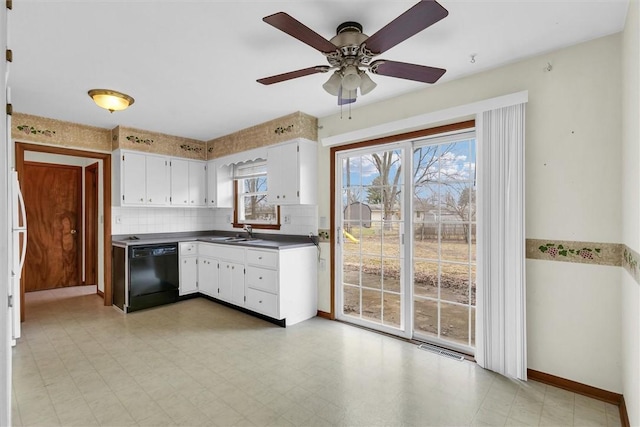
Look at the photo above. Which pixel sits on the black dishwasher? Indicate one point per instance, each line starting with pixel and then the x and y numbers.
pixel 153 275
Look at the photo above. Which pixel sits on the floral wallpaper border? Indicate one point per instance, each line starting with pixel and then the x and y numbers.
pixel 613 254
pixel 630 262
pixel 576 252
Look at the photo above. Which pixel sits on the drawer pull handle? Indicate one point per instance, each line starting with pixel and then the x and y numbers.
pixel 260 302
pixel 260 277
pixel 259 257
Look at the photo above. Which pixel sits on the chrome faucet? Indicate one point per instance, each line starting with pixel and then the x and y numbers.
pixel 249 230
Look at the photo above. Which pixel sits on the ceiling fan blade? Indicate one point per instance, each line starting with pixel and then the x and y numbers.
pixel 402 70
pixel 410 23
pixel 296 29
pixel 293 75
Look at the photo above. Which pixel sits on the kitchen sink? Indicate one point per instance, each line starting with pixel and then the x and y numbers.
pixel 244 240
pixel 215 239
pixel 227 239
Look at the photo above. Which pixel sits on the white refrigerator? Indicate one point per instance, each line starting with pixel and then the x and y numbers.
pixel 17 253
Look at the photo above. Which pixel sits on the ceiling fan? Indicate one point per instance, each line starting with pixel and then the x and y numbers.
pixel 350 53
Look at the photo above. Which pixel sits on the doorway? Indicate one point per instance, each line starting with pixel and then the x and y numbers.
pixel 91 219
pixel 53 202
pixel 404 221
pixel 104 170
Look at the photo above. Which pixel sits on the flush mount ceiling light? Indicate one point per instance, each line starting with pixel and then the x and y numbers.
pixel 110 99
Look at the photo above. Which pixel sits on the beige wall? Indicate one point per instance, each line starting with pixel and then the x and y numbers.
pixel 573 156
pixel 28 128
pixel 42 130
pixel 630 313
pixel 296 125
pixel 159 143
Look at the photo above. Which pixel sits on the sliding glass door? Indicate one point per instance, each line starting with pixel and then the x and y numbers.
pixel 370 239
pixel 412 275
pixel 444 242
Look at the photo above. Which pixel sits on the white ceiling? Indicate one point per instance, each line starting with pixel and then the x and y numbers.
pixel 192 65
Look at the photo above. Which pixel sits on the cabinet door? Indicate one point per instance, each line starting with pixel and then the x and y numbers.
pixel 237 283
pixel 188 275
pixel 133 179
pixel 212 185
pixel 219 185
pixel 225 282
pixel 197 184
pixel 208 276
pixel 289 169
pixel 179 182
pixel 282 174
pixel 157 179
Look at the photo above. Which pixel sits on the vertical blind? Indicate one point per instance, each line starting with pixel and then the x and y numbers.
pixel 501 344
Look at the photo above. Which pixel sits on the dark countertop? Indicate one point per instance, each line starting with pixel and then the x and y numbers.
pixel 264 241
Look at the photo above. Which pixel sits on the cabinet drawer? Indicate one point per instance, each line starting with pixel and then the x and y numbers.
pixel 262 302
pixel 262 258
pixel 188 248
pixel 263 279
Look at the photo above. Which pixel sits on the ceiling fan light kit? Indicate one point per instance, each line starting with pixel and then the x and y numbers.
pixel 332 86
pixel 350 52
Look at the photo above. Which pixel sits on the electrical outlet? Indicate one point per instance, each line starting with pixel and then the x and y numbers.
pixel 323 264
pixel 287 219
pixel 228 218
pixel 118 219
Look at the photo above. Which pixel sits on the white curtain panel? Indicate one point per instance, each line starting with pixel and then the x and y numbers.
pixel 501 342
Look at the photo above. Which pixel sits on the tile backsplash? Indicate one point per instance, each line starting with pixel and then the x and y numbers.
pixel 302 220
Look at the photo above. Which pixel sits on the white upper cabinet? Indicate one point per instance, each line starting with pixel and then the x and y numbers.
pixel 197 183
pixel 219 185
pixel 292 173
pixel 157 179
pixel 188 182
pixel 179 182
pixel 140 179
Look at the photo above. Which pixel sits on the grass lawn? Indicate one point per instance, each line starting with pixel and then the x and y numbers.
pixel 371 267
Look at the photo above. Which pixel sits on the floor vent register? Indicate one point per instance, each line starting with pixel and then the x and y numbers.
pixel 441 351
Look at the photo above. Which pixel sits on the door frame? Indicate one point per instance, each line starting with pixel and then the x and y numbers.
pixel 455 127
pixel 91 221
pixel 21 147
pixel 79 208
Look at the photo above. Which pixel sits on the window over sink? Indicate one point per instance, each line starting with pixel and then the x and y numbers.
pixel 250 197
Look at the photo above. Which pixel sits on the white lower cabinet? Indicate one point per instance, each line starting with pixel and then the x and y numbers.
pixel 188 253
pixel 232 275
pixel 280 284
pixel 208 276
pixel 263 302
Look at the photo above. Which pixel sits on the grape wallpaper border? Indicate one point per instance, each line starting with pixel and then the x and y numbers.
pixel 576 252
pixel 630 260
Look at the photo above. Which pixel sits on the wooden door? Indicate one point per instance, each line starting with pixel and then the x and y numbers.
pixel 91 224
pixel 53 202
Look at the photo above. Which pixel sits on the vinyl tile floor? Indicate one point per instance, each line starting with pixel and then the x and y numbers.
pixel 199 363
